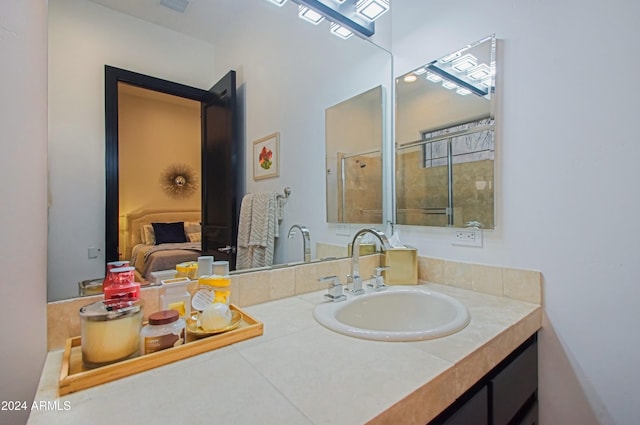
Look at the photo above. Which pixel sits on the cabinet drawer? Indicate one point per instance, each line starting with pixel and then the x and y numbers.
pixel 531 417
pixel 473 412
pixel 513 386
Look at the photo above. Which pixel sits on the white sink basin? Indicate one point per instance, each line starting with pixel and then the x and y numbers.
pixel 399 313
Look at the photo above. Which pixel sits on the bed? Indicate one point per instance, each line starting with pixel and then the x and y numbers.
pixel 158 240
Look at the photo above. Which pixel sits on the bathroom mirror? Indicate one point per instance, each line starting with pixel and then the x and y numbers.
pixel 289 72
pixel 445 140
pixel 354 159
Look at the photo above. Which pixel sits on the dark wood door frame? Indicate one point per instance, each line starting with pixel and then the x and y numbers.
pixel 112 77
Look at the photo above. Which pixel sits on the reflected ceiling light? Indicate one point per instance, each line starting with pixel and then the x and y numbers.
pixel 464 63
pixel 486 82
pixel 479 72
pixel 372 9
pixel 433 77
pixel 449 85
pixel 410 78
pixel 278 2
pixel 310 15
pixel 340 31
pixel 462 91
pixel 450 57
pixel 419 71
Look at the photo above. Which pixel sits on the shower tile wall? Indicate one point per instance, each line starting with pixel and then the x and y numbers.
pixel 363 189
pixel 419 188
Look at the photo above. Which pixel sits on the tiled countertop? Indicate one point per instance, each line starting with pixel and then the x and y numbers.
pixel 298 372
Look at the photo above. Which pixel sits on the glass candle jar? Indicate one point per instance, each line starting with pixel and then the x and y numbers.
pixel 121 284
pixel 110 331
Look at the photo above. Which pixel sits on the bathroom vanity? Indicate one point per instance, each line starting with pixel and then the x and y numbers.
pixel 299 372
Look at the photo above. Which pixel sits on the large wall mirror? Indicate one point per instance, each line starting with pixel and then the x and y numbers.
pixel 288 73
pixel 445 140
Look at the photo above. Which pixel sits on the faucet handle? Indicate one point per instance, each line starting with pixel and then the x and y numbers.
pixel 334 288
pixel 354 285
pixel 377 283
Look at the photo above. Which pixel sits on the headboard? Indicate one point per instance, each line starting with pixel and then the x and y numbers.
pixel 136 220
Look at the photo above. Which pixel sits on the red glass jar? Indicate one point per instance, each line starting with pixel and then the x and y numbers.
pixel 121 284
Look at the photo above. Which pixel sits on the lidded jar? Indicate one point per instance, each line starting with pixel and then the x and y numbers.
pixel 110 331
pixel 121 284
pixel 165 330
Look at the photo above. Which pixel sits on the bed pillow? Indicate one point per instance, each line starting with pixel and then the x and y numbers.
pixel 195 237
pixel 169 232
pixel 147 236
pixel 191 227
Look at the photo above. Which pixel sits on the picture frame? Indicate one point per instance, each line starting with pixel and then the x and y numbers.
pixel 266 157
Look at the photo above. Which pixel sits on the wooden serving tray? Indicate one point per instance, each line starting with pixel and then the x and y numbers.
pixel 75 377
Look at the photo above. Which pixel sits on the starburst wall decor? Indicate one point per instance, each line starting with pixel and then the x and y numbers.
pixel 179 181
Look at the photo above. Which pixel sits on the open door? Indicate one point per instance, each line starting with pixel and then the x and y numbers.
pixel 221 171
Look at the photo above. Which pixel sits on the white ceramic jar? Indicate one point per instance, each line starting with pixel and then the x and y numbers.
pixel 165 330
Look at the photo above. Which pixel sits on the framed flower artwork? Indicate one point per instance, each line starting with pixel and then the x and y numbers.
pixel 266 157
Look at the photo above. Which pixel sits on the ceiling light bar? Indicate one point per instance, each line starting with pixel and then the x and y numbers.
pixel 343 13
pixel 278 3
pixel 310 15
pixel 464 63
pixel 434 78
pixel 461 83
pixel 479 72
pixel 372 9
pixel 449 85
pixel 340 31
pixel 462 91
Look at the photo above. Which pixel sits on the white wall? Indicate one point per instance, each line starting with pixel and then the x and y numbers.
pixel 567 162
pixel 83 37
pixel 289 72
pixel 23 214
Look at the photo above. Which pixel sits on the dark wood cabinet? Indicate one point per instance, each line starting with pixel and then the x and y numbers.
pixel 508 395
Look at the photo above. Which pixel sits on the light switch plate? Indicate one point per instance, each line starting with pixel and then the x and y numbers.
pixel 93 252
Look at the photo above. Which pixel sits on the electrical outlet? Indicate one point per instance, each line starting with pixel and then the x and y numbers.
pixel 467 237
pixel 343 230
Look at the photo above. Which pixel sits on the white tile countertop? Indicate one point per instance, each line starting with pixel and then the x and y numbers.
pixel 299 372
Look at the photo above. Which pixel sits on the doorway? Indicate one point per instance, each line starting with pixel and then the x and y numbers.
pixel 219 131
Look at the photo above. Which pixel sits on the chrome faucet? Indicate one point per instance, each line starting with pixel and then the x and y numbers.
pixel 306 240
pixel 354 284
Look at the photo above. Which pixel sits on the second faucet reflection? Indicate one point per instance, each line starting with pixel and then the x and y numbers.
pixel 306 240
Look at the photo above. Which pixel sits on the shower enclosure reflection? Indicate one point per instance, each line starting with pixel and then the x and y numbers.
pixel 354 161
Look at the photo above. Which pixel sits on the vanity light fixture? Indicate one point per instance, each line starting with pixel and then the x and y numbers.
pixel 340 31
pixel 372 9
pixel 464 63
pixel 355 16
pixel 449 85
pixel 310 15
pixel 434 78
pixel 450 57
pixel 486 82
pixel 479 72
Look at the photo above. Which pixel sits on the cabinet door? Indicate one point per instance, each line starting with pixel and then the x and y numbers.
pixel 473 412
pixel 514 385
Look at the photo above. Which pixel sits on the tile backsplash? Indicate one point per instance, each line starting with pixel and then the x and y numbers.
pixel 260 286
